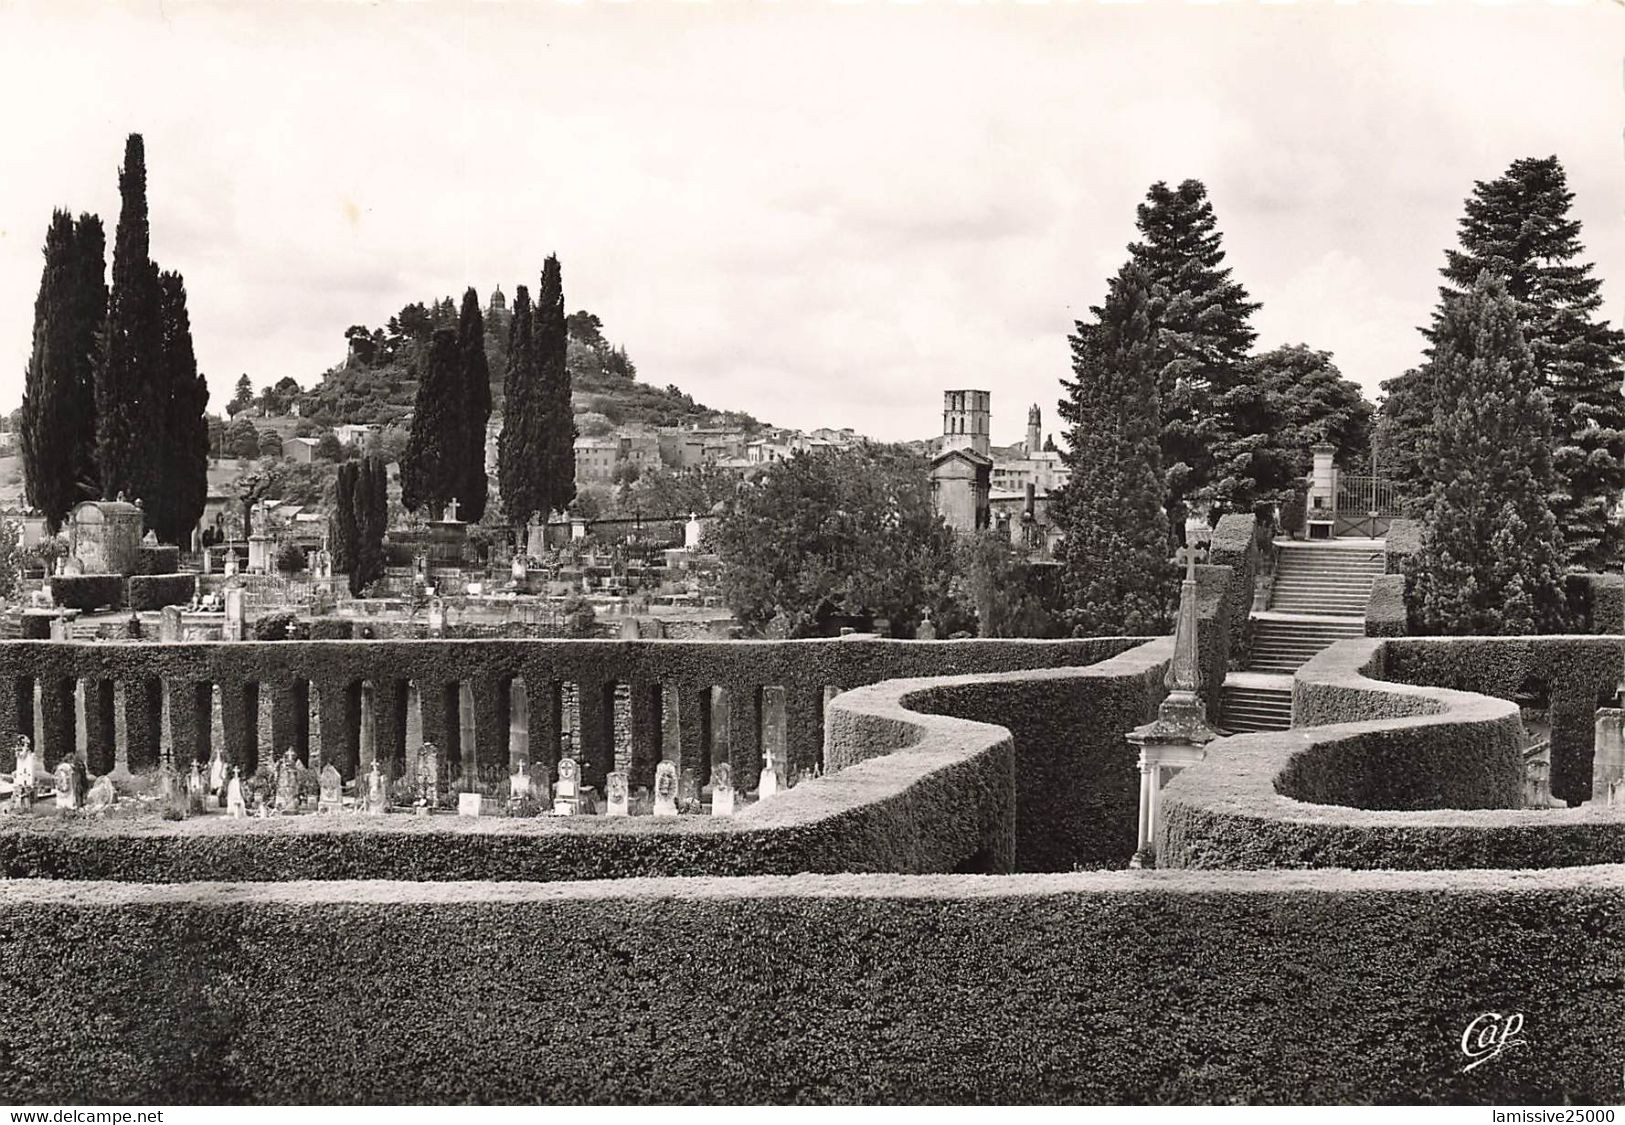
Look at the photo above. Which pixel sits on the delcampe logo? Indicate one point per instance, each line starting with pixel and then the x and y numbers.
pixel 1489 1035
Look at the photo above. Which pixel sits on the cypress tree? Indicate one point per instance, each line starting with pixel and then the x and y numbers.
pixel 1114 555
pixel 521 469
pixel 341 528
pixel 129 407
pixel 1201 333
pixel 476 408
pixel 173 511
pixel 1518 227
pixel 369 506
pixel 555 422
pixel 431 468
pixel 1491 554
pixel 57 431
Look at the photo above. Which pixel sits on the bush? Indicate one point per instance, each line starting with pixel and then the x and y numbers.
pixel 154 591
pixel 1385 610
pixel 331 629
pixel 88 591
pixel 1295 512
pixel 290 558
pixel 158 560
pixel 1596 602
pixel 274 627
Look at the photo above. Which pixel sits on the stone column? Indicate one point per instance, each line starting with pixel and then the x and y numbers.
pixel 368 748
pixel 1608 763
pixel 413 734
pixel 518 722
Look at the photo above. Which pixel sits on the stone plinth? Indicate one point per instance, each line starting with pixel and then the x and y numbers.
pixel 105 537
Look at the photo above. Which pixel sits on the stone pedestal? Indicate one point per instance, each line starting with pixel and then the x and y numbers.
pixel 259 554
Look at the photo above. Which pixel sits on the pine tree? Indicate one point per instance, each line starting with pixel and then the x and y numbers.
pixel 242 395
pixel 476 409
pixel 178 504
pixel 1518 227
pixel 57 430
pixel 1201 334
pixel 556 431
pixel 1114 555
pixel 431 469
pixel 521 468
pixel 1491 555
pixel 129 409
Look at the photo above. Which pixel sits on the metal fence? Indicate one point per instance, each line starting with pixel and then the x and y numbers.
pixel 1366 496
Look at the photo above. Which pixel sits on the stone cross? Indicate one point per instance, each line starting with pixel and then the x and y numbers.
pixel 451 510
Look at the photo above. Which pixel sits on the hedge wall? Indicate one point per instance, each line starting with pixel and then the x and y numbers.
pixel 1235 545
pixel 1409 780
pixel 154 591
pixel 1076 777
pixel 1403 540
pixel 1574 674
pixel 941 806
pixel 158 560
pixel 1596 602
pixel 1385 614
pixel 87 591
pixel 1121 987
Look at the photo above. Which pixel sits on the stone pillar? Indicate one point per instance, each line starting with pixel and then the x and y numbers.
pixel 81 722
pixel 468 748
pixel 413 734
pixel 1608 763
pixel 1322 482
pixel 235 628
pixel 368 747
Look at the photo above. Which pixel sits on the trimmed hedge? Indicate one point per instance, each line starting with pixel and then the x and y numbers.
pixel 1403 540
pixel 1327 795
pixel 154 591
pixel 88 591
pixel 1120 987
pixel 158 560
pixel 1385 614
pixel 1235 545
pixel 932 808
pixel 35 626
pixel 1596 601
pixel 1577 674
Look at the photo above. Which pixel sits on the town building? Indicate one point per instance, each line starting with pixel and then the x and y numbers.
pixel 961 471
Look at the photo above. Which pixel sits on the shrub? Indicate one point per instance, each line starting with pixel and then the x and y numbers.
pixel 1385 610
pixel 88 591
pixel 154 591
pixel 274 627
pixel 331 629
pixel 1596 602
pixel 1295 511
pixel 290 558
pixel 158 560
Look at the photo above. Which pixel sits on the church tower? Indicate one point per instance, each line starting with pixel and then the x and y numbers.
pixel 965 420
pixel 1035 431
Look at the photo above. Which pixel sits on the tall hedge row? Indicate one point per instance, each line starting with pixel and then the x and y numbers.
pixel 1104 987
pixel 154 591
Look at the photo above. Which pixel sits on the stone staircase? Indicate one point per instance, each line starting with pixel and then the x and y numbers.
pixel 1319 598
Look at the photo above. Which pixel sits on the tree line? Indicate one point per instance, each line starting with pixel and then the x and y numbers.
pixel 113 402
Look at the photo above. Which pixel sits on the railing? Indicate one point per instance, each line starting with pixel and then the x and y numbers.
pixel 1366 496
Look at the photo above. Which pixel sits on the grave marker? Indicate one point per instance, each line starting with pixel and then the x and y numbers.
pixel 665 789
pixel 287 783
pixel 722 790
pixel 567 793
pixel 197 789
pixel 615 788
pixel 102 795
pixel 377 792
pixel 70 785
pixel 332 792
pixel 469 804
pixel 235 805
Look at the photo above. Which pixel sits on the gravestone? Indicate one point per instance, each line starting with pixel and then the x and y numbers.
pixel 70 785
pixel 332 791
pixel 197 789
pixel 437 617
pixel 287 783
pixel 234 627
pixel 431 768
pixel 169 624
pixel 470 804
pixel 615 789
pixel 208 561
pixel 235 805
pixel 231 562
pixel 768 785
pixel 172 799
pixel 25 777
pixel 927 630
pixel 217 770
pixel 688 791
pixel 567 792
pixel 377 792
pixel 102 795
pixel 722 790
pixel 665 789
pixel 519 786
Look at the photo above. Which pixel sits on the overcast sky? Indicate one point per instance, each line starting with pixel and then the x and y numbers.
pixel 824 215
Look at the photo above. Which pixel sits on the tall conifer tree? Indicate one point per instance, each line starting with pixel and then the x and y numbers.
pixel 57 432
pixel 1201 333
pixel 476 409
pixel 1114 555
pixel 432 467
pixel 521 468
pixel 556 431
pixel 1519 227
pixel 129 406
pixel 1491 554
pixel 176 507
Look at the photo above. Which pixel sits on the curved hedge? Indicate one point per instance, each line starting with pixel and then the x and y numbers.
pixel 1406 777
pixel 1113 987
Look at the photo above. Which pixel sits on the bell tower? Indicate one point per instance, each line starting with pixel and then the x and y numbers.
pixel 965 420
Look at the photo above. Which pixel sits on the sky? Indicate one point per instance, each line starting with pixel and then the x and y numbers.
pixel 823 214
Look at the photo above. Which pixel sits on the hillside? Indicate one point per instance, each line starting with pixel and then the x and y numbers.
pixel 378 380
